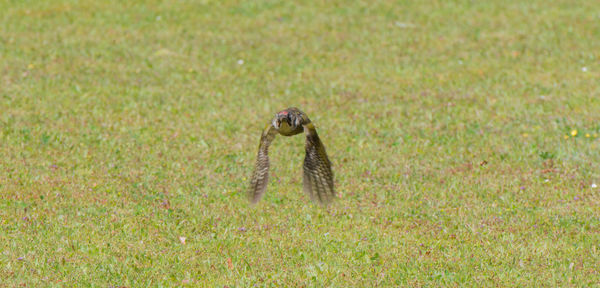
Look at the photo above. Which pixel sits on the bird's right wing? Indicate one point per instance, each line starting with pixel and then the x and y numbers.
pixel 260 176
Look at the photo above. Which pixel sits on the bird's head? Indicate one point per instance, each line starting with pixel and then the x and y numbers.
pixel 288 120
pixel 282 120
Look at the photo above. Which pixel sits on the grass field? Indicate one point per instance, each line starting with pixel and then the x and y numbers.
pixel 463 134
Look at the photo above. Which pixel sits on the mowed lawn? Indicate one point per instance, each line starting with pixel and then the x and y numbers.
pixel 464 137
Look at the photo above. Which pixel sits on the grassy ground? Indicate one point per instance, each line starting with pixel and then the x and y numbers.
pixel 464 137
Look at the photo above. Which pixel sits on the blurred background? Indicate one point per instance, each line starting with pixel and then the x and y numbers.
pixel 463 135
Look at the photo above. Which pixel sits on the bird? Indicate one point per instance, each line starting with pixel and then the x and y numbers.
pixel 317 174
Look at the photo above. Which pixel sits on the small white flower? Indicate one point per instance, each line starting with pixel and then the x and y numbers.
pixel 158 18
pixel 584 69
pixel 240 62
pixel 404 25
pixel 594 185
pixel 182 239
pixel 547 180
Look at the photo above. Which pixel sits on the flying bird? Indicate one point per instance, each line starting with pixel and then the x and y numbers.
pixel 317 178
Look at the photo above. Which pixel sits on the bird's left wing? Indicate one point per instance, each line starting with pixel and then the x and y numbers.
pixel 318 177
pixel 260 176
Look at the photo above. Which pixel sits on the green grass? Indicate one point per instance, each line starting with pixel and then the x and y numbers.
pixel 124 127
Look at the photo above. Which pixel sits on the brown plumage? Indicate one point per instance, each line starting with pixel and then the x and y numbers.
pixel 318 177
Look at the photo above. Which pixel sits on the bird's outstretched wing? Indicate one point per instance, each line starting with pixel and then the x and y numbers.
pixel 260 176
pixel 318 177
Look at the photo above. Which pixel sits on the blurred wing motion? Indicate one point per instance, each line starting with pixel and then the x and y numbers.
pixel 318 177
pixel 260 177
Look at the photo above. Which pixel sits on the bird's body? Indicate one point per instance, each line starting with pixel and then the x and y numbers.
pixel 318 177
